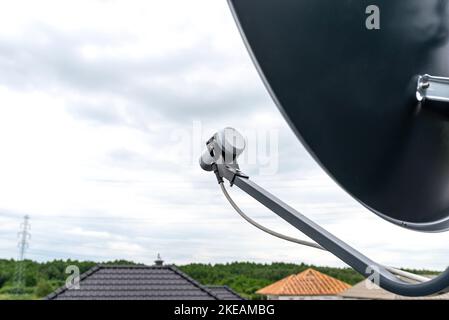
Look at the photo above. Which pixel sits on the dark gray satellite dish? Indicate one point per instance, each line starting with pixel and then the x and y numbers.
pixel 352 79
pixel 348 92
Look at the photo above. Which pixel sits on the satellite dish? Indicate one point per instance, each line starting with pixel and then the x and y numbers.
pixel 352 79
pixel 344 74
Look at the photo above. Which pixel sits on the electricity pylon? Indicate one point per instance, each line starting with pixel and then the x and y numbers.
pixel 24 236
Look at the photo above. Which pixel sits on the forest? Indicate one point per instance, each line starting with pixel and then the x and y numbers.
pixel 41 278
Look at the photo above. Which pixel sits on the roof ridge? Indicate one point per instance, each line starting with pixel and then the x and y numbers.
pixel 233 291
pixel 229 289
pixel 305 272
pixel 64 288
pixel 279 285
pixel 193 281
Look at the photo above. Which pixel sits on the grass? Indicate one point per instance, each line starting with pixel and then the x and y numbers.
pixel 18 297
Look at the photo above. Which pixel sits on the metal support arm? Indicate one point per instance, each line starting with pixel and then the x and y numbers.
pixel 362 264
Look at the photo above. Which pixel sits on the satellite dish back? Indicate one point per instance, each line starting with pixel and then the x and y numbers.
pixel 348 92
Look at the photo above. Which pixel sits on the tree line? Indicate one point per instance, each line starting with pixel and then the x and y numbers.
pixel 41 278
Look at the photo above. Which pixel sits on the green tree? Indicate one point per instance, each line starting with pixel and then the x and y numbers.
pixel 3 278
pixel 43 288
pixel 30 279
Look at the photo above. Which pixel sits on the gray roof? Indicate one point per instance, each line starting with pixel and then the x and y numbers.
pixel 225 293
pixel 135 283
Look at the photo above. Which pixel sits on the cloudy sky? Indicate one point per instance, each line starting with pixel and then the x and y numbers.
pixel 104 108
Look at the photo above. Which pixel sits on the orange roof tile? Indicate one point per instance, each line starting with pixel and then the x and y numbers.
pixel 307 283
